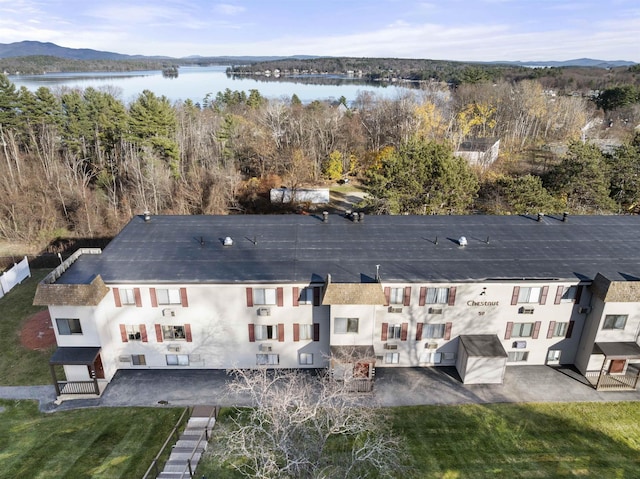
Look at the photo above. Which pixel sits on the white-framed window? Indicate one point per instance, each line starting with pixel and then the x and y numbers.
pixel 306 331
pixel 177 359
pixel 517 356
pixel 264 296
pixel 560 330
pixel 396 296
pixel 127 296
pixel 431 357
pixel 433 331
pixel 448 356
pixel 437 295
pixel 133 332
pixel 345 325
pixel 522 330
pixel 306 296
pixel 569 294
pixel 138 360
pixel 529 295
pixel 553 355
pixel 68 326
pixel 267 359
pixel 394 331
pixel 392 358
pixel 264 332
pixel 173 332
pixel 168 296
pixel 305 358
pixel 615 321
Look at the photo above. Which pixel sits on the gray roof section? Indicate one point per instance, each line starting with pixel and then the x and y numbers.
pixel 302 249
pixel 483 346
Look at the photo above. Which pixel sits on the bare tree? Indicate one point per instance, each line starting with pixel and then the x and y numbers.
pixel 303 425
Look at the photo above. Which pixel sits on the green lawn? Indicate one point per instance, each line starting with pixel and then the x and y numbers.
pixel 20 366
pixel 96 443
pixel 587 440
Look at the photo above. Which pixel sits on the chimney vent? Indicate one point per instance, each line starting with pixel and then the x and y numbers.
pixel 228 241
pixel 147 216
pixel 361 215
pixel 325 216
pixel 565 217
pixel 462 241
pixel 540 216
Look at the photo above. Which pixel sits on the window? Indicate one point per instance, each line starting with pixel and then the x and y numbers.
pixel 553 355
pixel 264 296
pixel 437 295
pixel 133 332
pixel 560 330
pixel 177 360
pixel 173 332
pixel 392 358
pixel 529 295
pixel 569 294
pixel 306 296
pixel 517 356
pixel 306 331
pixel 431 357
pixel 127 296
pixel 264 332
pixel 522 330
pixel 138 360
pixel 433 331
pixel 394 331
pixel 305 358
pixel 346 325
pixel 396 296
pixel 267 359
pixel 168 296
pixel 615 321
pixel 448 356
pixel 68 326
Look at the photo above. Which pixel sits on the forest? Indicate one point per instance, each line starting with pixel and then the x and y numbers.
pixel 80 163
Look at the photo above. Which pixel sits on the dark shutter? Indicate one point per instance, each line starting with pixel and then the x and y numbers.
pixel 316 295
pixel 116 297
pixel 514 296
pixel 570 329
pixel 559 293
pixel 419 327
pixel 447 331
pixel 404 331
pixel 136 295
pixel 280 297
pixel 183 297
pixel 154 298
pixel 552 326
pixel 249 297
pixel 295 291
pixel 452 296
pixel 123 333
pixel 385 330
pixel 387 296
pixel 159 337
pixel 407 296
pixel 252 332
pixel 536 330
pixel 423 296
pixel 281 332
pixel 507 333
pixel 187 333
pixel 143 333
pixel 543 294
pixel 296 332
pixel 316 331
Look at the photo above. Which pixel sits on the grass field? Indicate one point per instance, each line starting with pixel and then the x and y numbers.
pixel 587 440
pixel 18 365
pixel 113 443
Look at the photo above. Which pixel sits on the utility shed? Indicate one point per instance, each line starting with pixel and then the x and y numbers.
pixel 481 359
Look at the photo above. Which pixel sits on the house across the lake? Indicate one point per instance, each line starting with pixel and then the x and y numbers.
pixel 352 293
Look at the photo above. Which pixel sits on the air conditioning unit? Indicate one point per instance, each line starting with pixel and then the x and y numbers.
pixel 584 309
pixel 524 310
pixel 435 310
pixel 264 311
pixel 379 358
pixel 390 346
pixel 431 346
pixel 174 348
pixel 124 359
pixel 519 344
pixel 266 348
pixel 168 312
pixel 393 309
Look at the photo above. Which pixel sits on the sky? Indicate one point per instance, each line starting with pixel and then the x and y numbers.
pixel 464 30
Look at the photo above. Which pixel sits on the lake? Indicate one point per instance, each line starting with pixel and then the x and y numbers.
pixel 196 82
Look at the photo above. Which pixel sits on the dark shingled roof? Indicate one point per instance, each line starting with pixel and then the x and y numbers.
pixel 301 248
pixel 483 346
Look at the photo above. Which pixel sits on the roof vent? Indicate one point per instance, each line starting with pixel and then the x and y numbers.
pixel 325 216
pixel 540 216
pixel 147 216
pixel 227 241
pixel 462 241
pixel 361 215
pixel 565 216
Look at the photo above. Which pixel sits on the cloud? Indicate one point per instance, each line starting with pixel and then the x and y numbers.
pixel 228 9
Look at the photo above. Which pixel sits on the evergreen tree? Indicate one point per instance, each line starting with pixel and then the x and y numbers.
pixel 9 102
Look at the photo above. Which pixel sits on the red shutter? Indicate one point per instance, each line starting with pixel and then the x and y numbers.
pixel 159 333
pixel 316 296
pixel 552 326
pixel 143 333
pixel 116 297
pixel 281 332
pixel 579 293
pixel 183 297
pixel 387 296
pixel 316 331
pixel 249 297
pixel 404 331
pixel 296 295
pixel 559 293
pixel 407 296
pixel 536 330
pixel 280 297
pixel 423 296
pixel 123 333
pixel 296 332
pixel 447 331
pixel 252 332
pixel 154 298
pixel 507 333
pixel 543 295
pixel 187 333
pixel 514 296
pixel 569 329
pixel 419 327
pixel 136 294
pixel 452 296
pixel 385 330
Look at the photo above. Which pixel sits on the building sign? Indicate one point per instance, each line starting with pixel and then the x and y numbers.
pixel 483 303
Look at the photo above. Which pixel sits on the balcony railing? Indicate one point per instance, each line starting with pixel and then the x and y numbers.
pixel 78 387
pixel 614 382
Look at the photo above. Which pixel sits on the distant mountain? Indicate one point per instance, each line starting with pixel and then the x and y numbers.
pixel 29 48
pixel 578 62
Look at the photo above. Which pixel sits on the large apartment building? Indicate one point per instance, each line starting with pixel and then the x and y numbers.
pixel 353 293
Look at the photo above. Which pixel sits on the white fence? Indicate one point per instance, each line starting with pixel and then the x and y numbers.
pixel 14 276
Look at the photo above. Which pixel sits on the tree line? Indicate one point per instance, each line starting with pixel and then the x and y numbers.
pixel 82 162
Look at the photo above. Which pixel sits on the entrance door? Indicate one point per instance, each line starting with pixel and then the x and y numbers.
pixel 617 366
pixel 97 367
pixel 362 370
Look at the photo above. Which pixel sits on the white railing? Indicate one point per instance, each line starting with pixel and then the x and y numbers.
pixel 56 273
pixel 17 274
